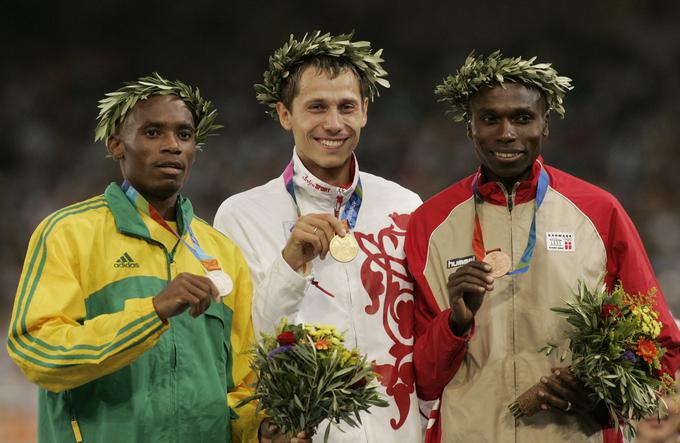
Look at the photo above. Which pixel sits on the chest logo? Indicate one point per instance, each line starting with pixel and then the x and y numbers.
pixel 456 262
pixel 125 261
pixel 560 241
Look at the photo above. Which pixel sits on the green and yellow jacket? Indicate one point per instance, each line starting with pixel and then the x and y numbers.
pixel 84 329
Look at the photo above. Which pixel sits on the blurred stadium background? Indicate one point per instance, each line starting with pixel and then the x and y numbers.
pixel 621 131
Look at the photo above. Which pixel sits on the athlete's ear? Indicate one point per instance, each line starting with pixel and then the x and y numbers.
pixel 115 147
pixel 364 109
pixel 284 116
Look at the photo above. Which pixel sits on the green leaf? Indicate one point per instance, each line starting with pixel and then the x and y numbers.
pixel 295 52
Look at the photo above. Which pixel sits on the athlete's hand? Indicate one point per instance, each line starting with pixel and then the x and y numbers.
pixel 310 238
pixel 186 291
pixel 562 392
pixel 269 433
pixel 467 287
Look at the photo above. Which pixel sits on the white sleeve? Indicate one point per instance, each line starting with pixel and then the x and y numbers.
pixel 278 295
pixel 277 288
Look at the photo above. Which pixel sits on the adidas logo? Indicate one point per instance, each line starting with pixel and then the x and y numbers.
pixel 125 261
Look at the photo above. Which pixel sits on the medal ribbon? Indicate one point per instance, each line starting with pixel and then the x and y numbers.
pixel 352 207
pixel 209 263
pixel 349 215
pixel 478 237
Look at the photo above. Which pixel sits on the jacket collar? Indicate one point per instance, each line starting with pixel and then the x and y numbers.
pixel 130 221
pixel 525 191
pixel 310 190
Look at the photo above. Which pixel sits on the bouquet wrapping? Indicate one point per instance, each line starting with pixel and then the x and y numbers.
pixel 306 375
pixel 615 354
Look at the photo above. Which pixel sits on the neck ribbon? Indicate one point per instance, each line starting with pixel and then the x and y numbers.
pixel 478 237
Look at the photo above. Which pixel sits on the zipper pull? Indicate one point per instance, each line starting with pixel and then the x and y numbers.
pixel 76 429
pixel 338 203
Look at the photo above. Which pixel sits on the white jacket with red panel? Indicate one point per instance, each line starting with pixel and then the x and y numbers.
pixel 370 299
pixel 582 233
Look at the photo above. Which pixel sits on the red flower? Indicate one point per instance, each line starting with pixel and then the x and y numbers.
pixel 661 373
pixel 647 350
pixel 610 311
pixel 286 338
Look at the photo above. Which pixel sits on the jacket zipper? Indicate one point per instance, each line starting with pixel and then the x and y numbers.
pixel 509 194
pixel 169 260
pixel 338 203
pixel 349 300
pixel 74 420
pixel 76 429
pixel 511 199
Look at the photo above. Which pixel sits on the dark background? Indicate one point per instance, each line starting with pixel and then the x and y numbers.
pixel 621 129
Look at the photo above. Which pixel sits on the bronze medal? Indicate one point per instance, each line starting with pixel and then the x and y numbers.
pixel 500 263
pixel 344 249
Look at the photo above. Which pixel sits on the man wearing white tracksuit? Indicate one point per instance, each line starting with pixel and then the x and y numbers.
pixel 285 228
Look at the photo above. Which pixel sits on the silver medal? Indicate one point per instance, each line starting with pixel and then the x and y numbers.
pixel 222 281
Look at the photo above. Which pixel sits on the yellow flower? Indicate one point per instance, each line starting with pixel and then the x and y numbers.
pixel 345 355
pixel 646 320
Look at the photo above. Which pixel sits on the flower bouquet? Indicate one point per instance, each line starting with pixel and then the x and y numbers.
pixel 306 376
pixel 615 354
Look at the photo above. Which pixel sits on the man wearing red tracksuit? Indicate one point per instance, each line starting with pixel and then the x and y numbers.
pixel 478 337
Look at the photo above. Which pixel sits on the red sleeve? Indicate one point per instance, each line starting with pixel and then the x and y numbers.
pixel 610 435
pixel 438 352
pixel 627 262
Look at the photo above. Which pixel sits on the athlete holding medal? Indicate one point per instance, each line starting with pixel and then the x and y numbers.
pixel 324 241
pixel 133 315
pixel 491 255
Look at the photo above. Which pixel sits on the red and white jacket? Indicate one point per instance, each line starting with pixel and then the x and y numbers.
pixel 369 299
pixel 582 233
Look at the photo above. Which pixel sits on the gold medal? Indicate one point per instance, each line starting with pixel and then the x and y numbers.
pixel 500 263
pixel 344 249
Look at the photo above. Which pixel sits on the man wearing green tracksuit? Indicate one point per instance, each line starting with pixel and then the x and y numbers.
pixel 132 314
